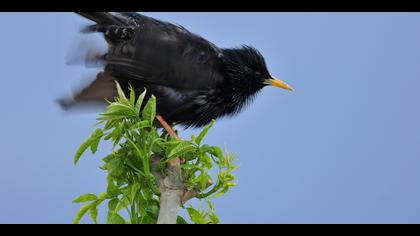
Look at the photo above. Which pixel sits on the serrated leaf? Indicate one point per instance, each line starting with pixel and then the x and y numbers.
pixel 85 198
pixel 118 111
pixel 214 219
pixel 153 210
pixel 223 191
pixel 195 216
pixel 132 163
pixel 109 158
pixel 115 218
pixel 181 221
pixel 115 167
pixel 206 149
pixel 82 211
pixel 94 145
pixel 206 161
pixel 132 96
pixel 140 125
pixel 112 190
pixel 123 203
pixel 109 124
pixel 203 133
pixel 139 101
pixel 95 136
pixel 149 111
pixel 203 180
pixel 116 134
pixel 131 191
pixel 157 148
pixel 181 149
pixel 217 152
pixel 120 91
pixel 103 196
pixel 93 211
pixel 112 204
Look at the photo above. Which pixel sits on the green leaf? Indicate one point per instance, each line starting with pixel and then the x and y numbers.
pixel 114 218
pixel 116 167
pixel 118 111
pixel 85 198
pixel 140 101
pixel 120 91
pixel 140 125
pixel 153 210
pixel 109 158
pixel 112 204
pixel 219 193
pixel 203 179
pixel 181 221
pixel 195 216
pixel 132 190
pixel 132 96
pixel 112 190
pixel 157 148
pixel 203 133
pixel 206 160
pixel 82 211
pixel 123 203
pixel 103 196
pixel 96 135
pixel 148 220
pixel 109 124
pixel 94 145
pixel 181 149
pixel 206 148
pixel 149 111
pixel 211 213
pixel 133 163
pixel 93 211
pixel 217 152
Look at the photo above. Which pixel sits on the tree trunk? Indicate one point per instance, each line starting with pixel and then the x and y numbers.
pixel 171 191
pixel 170 201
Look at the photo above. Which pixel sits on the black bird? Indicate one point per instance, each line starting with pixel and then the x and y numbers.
pixel 193 80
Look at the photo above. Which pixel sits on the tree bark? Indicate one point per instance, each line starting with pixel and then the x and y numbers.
pixel 171 190
pixel 170 201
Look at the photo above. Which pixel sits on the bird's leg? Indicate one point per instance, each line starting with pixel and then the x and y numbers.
pixel 167 127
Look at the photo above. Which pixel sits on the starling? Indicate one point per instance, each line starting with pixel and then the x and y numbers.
pixel 193 80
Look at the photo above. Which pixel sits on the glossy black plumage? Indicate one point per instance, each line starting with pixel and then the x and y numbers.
pixel 193 80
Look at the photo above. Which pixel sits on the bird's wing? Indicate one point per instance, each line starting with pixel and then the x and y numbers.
pixel 143 48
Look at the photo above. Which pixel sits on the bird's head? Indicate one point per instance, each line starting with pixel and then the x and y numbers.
pixel 246 68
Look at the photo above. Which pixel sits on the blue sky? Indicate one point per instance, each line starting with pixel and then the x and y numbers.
pixel 343 148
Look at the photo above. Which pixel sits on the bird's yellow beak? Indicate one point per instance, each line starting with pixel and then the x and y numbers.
pixel 278 83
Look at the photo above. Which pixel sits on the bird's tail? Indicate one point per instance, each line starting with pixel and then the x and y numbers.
pixel 115 28
pixel 103 87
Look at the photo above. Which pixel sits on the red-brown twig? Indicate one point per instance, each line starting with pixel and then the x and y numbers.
pixel 167 127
